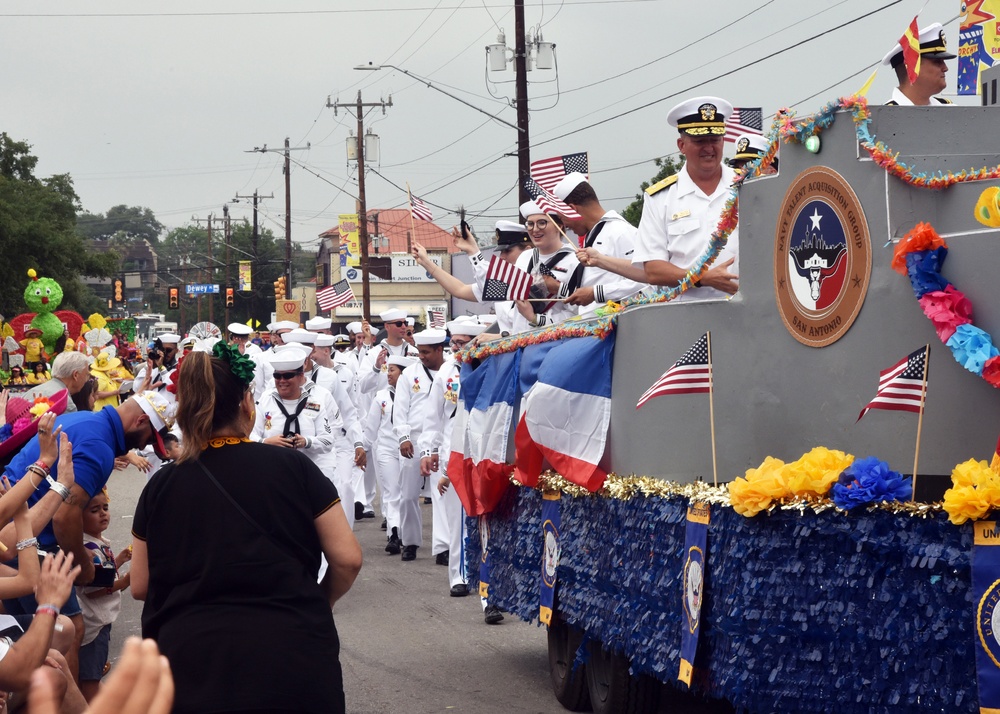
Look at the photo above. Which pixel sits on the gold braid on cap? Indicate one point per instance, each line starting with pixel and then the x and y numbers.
pixel 240 365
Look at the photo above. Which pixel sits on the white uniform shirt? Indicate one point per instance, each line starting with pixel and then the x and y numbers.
pixel 616 238
pixel 330 380
pixel 379 434
pixel 677 226
pixel 442 403
pixel 410 410
pixel 371 378
pixel 505 311
pixel 317 421
pixel 563 271
pixel 903 101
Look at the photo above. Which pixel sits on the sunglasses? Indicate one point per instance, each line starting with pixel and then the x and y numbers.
pixel 397 323
pixel 287 375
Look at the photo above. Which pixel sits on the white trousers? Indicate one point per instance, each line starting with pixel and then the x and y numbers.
pixel 440 524
pixel 388 473
pixel 411 524
pixel 363 492
pixel 454 515
pixel 342 478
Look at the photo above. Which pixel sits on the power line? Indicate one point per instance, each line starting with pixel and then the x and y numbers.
pixel 723 74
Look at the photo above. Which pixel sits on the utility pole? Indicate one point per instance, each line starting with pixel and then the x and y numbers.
pixel 225 214
pixel 359 108
pixel 287 170
pixel 254 276
pixel 521 85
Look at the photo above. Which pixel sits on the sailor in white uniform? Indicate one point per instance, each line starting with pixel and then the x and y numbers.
pixel 932 77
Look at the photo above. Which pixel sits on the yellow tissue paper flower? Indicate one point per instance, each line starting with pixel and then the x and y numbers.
pixel 816 472
pixel 760 487
pixel 97 321
pixel 975 492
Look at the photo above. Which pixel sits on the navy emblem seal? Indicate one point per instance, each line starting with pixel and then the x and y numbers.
pixel 822 257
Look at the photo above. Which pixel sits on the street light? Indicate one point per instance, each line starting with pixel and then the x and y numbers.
pixel 376 67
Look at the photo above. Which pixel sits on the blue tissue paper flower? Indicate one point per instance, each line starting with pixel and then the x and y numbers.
pixel 924 268
pixel 869 480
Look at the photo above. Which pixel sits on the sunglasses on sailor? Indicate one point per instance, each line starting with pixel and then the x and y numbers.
pixel 397 323
pixel 287 375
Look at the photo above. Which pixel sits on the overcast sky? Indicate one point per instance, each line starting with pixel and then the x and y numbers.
pixel 156 103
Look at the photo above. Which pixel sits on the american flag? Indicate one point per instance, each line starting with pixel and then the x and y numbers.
pixel 691 374
pixel 549 172
pixel 435 318
pixel 745 120
pixel 505 281
pixel 419 209
pixel 334 296
pixel 901 387
pixel 546 201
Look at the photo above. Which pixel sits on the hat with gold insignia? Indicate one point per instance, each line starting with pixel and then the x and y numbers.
pixel 701 116
pixel 750 147
pixel 933 45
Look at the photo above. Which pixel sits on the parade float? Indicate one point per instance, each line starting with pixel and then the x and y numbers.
pixel 758 543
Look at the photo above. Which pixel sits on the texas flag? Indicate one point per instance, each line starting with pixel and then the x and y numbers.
pixel 567 410
pixel 478 465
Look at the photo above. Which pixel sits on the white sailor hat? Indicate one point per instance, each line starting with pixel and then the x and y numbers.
pixel 285 358
pixel 325 340
pixel 282 325
pixel 933 45
pixel 302 337
pixel 354 327
pixel 401 361
pixel 511 234
pixel 238 328
pixel 318 323
pixel 701 116
pixel 340 339
pixel 393 315
pixel 411 321
pixel 168 338
pixel 487 318
pixel 161 412
pixel 530 208
pixel 465 327
pixel 430 337
pixel 567 183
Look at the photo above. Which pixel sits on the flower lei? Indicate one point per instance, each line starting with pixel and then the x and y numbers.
pixel 920 255
pixel 240 365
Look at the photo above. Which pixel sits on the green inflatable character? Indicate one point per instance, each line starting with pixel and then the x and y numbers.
pixel 43 297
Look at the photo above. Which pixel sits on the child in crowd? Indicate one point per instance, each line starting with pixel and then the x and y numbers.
pixel 171 447
pixel 101 602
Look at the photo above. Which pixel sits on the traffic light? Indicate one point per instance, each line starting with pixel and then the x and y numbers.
pixel 279 288
pixel 230 294
pixel 175 296
pixel 119 290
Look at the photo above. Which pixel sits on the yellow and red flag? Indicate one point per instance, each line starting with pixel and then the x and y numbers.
pixel 910 42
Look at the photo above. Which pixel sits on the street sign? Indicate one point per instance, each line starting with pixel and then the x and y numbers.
pixel 201 289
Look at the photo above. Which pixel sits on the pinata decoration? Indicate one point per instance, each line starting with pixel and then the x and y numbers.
pixel 43 296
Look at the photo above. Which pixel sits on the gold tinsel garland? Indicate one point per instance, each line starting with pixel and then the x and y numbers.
pixel 624 488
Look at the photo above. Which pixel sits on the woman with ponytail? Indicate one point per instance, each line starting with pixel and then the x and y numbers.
pixel 228 543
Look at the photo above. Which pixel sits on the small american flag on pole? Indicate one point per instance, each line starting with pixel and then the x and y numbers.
pixel 505 281
pixel 691 374
pixel 420 210
pixel 549 172
pixel 745 120
pixel 546 201
pixel 435 318
pixel 903 386
pixel 334 296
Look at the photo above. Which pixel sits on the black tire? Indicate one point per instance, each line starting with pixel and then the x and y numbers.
pixel 569 686
pixel 613 690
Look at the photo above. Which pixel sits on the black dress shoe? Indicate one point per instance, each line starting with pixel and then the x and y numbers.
pixel 359 510
pixel 368 514
pixel 460 590
pixel 427 500
pixel 492 614
pixel 394 546
pixel 409 552
pixel 441 558
pixel 385 524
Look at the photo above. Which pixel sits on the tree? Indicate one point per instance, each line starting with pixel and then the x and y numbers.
pixel 122 223
pixel 37 218
pixel 666 166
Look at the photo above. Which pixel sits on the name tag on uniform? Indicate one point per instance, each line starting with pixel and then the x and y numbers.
pixel 313 406
pixel 680 214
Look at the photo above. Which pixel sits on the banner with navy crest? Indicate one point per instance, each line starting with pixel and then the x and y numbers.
pixel 696 550
pixel 550 554
pixel 986 590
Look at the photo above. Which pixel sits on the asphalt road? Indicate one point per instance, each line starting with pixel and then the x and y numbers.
pixel 406 645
